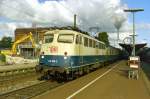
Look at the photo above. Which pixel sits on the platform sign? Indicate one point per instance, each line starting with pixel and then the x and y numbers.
pixel 134 58
pixel 134 66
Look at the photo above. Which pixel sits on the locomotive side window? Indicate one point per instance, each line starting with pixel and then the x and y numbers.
pixel 65 38
pixel 103 46
pixel 85 41
pixel 94 44
pixel 90 43
pixel 100 46
pixel 49 38
pixel 97 45
pixel 78 39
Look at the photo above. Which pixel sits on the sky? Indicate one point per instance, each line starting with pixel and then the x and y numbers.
pixel 142 19
pixel 92 16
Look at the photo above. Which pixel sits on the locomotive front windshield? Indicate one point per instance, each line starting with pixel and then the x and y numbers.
pixel 49 38
pixel 65 38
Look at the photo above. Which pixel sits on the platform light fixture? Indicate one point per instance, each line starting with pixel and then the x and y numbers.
pixel 133 11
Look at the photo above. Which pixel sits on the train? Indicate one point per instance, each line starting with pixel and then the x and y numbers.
pixel 69 53
pixel 144 54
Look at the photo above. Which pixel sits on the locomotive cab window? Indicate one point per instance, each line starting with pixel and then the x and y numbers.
pixel 49 38
pixel 65 38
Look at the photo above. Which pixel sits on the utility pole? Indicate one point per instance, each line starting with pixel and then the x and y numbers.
pixel 133 36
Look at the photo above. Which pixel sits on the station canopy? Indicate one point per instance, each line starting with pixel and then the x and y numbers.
pixel 129 47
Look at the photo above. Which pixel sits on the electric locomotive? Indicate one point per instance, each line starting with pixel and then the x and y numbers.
pixel 67 53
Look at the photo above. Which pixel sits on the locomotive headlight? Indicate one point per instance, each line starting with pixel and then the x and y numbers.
pixel 65 57
pixel 42 56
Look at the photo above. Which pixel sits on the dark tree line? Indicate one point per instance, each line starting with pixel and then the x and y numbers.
pixel 6 42
pixel 103 36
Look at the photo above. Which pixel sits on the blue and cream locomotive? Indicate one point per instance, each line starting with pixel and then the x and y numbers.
pixel 67 53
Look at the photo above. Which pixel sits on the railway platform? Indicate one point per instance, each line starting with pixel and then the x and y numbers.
pixel 109 82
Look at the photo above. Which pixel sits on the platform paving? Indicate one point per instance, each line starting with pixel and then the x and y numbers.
pixel 106 83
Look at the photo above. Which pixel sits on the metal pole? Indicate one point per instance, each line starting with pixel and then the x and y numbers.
pixel 133 35
pixel 133 12
pixel 75 20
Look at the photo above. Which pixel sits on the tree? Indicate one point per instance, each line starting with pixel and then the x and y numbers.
pixel 6 42
pixel 103 36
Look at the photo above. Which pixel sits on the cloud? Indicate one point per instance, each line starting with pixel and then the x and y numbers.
pixel 16 10
pixel 89 12
pixel 107 15
pixel 8 28
pixel 142 31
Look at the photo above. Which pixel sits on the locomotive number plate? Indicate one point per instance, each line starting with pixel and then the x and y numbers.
pixel 52 61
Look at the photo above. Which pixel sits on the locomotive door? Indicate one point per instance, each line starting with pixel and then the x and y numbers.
pixel 97 51
pixel 79 47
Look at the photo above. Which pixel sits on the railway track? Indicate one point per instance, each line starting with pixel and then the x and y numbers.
pixel 26 92
pixel 30 91
pixel 13 82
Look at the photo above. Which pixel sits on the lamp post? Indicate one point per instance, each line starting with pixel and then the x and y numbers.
pixel 133 10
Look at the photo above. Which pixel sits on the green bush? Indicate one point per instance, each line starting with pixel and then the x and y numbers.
pixel 2 58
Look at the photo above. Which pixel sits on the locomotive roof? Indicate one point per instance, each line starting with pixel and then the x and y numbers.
pixel 68 28
pixel 69 31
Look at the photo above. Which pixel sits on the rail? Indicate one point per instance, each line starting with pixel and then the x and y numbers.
pixel 30 91
pixel 13 82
